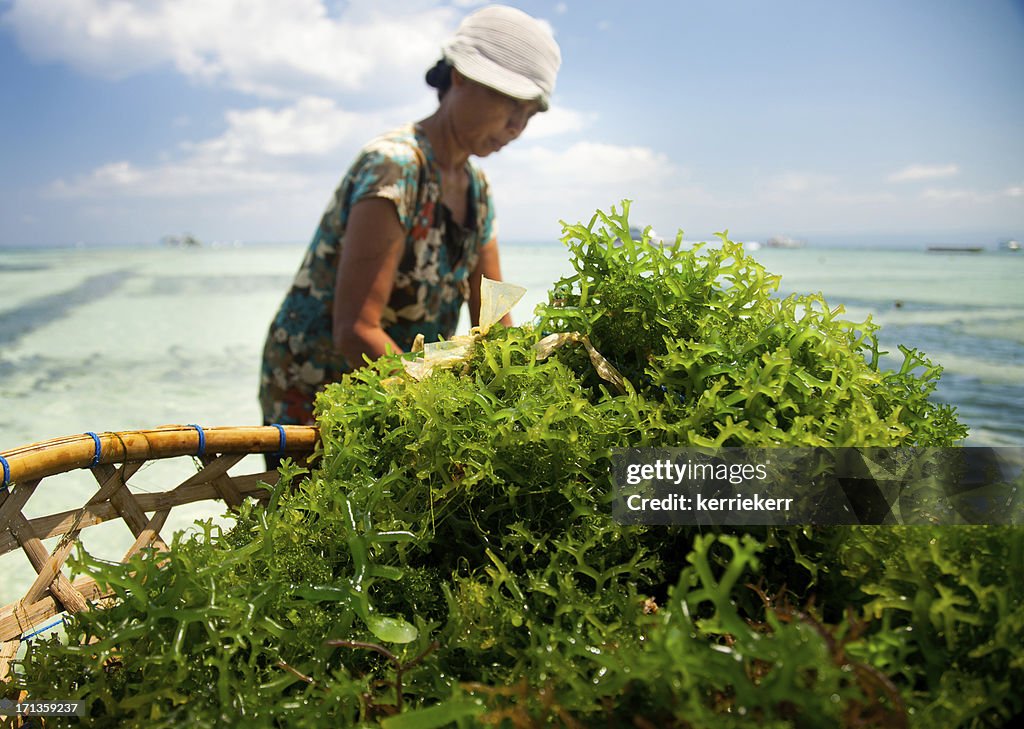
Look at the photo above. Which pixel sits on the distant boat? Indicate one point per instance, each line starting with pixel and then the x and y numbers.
pixel 955 249
pixel 181 241
pixel 637 234
pixel 784 241
pixel 1010 245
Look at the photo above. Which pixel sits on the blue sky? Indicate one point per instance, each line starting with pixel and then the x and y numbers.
pixel 861 121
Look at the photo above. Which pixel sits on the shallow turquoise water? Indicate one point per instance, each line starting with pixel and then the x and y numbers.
pixel 116 339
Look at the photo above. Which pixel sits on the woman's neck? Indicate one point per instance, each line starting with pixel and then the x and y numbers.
pixel 450 155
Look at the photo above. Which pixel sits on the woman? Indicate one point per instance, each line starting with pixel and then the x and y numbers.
pixel 411 229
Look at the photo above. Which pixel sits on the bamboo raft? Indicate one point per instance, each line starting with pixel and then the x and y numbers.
pixel 113 459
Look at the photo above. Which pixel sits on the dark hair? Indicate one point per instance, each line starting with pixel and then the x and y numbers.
pixel 440 77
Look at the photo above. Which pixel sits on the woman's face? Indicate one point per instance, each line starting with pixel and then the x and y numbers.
pixel 486 120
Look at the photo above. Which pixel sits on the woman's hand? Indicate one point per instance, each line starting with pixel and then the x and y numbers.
pixel 370 253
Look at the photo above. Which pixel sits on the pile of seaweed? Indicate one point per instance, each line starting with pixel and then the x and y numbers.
pixel 452 559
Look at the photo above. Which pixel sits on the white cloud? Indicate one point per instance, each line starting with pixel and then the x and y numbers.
pixel 795 182
pixel 261 149
pixel 313 125
pixel 795 186
pixel 557 120
pixel 960 195
pixel 946 195
pixel 537 185
pixel 190 178
pixel 914 173
pixel 589 165
pixel 262 47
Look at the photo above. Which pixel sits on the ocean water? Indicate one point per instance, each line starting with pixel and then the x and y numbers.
pixel 117 339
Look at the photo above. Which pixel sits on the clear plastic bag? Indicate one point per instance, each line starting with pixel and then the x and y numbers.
pixel 496 300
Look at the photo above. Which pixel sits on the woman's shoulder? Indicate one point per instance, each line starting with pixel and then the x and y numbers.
pixel 399 146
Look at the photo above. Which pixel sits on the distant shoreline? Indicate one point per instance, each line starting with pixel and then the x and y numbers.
pixel 989 243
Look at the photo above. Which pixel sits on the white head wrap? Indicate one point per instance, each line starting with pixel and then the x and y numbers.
pixel 507 50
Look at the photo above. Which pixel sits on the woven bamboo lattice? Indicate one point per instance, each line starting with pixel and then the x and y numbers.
pixel 113 459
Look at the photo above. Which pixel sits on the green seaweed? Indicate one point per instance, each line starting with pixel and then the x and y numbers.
pixel 452 560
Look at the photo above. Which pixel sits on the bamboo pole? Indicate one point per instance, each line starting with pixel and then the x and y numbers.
pixel 50 457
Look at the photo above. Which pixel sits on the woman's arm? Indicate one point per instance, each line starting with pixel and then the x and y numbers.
pixel 487 265
pixel 370 254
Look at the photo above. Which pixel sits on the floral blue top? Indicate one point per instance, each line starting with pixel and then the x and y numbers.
pixel 431 284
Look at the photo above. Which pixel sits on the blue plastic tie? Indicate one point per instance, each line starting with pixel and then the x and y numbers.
pixel 96 453
pixel 42 630
pixel 282 441
pixel 7 473
pixel 202 439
